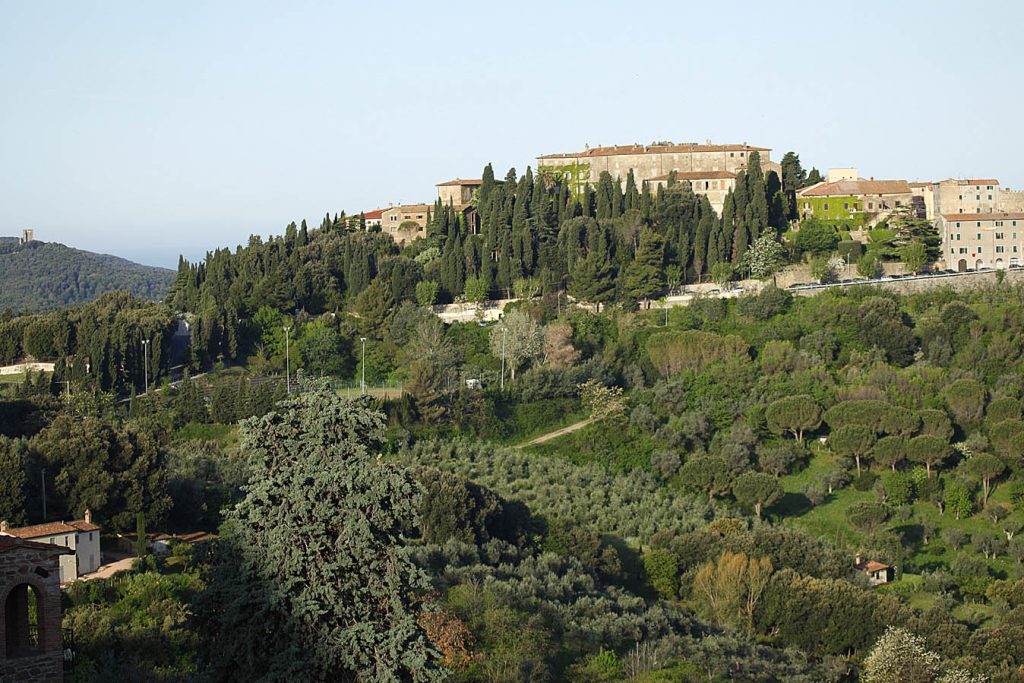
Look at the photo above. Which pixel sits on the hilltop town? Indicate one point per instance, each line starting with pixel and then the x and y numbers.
pixel 976 219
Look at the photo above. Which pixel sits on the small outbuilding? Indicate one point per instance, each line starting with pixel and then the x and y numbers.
pixel 878 573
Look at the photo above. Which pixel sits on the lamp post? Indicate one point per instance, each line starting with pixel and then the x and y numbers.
pixel 287 360
pixel 362 380
pixel 504 333
pixel 145 366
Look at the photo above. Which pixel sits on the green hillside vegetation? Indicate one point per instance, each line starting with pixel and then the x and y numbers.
pixel 43 276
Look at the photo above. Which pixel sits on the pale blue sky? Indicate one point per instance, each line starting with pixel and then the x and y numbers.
pixel 150 129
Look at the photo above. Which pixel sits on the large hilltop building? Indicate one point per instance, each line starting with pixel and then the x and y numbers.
pixel 81 537
pixel 710 169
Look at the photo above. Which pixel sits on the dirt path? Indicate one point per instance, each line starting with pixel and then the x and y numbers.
pixel 557 433
pixel 108 570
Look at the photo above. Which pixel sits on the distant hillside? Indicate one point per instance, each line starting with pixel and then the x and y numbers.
pixel 47 275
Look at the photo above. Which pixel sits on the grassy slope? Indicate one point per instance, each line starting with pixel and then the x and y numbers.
pixel 829 519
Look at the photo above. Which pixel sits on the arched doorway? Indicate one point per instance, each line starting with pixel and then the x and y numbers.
pixel 1000 265
pixel 23 624
pixel 961 266
pixel 979 264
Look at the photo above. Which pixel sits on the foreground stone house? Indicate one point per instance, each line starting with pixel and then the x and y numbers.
pixel 31 640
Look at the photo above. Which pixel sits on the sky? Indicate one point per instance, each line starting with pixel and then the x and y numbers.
pixel 149 130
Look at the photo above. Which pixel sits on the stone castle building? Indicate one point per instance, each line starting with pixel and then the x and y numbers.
pixel 31 640
pixel 458 193
pixel 980 222
pixel 707 167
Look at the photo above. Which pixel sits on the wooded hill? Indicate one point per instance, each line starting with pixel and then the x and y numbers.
pixel 45 276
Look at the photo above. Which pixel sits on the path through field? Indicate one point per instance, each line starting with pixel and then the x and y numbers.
pixel 557 433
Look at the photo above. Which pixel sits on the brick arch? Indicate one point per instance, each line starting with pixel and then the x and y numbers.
pixel 43 612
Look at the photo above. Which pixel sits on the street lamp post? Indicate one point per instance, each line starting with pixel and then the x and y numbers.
pixel 287 360
pixel 145 366
pixel 362 380
pixel 504 333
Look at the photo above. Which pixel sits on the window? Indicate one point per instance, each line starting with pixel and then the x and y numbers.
pixel 846 206
pixel 989 187
pixel 977 197
pixel 999 235
pixel 871 205
pixel 1000 249
pixel 979 235
pixel 731 154
pixel 963 250
pixel 856 206
pixel 825 206
pixel 961 197
pixel 958 225
pixel 807 205
pixel 1015 249
pixel 999 224
pixel 990 197
pixel 958 237
pixel 741 153
pixel 979 250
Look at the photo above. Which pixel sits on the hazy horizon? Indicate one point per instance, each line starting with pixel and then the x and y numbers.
pixel 149 131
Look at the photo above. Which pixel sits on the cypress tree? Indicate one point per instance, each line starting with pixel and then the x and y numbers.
pixel 631 199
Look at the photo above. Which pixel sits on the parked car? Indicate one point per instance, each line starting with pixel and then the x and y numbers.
pixel 714 292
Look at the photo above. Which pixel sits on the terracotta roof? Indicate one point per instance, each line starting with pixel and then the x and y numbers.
pixel 915 184
pixel 872 566
pixel 407 207
pixel 978 181
pixel 373 215
pixel 459 181
pixel 40 530
pixel 12 542
pixel 843 188
pixel 654 149
pixel 973 217
pixel 52 529
pixel 699 175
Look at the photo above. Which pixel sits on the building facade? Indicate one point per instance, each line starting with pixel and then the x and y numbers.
pixel 714 185
pixel 458 193
pixel 31 640
pixel 80 537
pixel 982 240
pixel 405 223
pixel 650 161
pixel 861 201
pixel 373 218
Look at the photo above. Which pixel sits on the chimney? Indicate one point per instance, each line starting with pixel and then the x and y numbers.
pixel 3 526
pixel 88 516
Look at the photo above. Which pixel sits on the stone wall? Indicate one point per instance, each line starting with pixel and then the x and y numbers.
pixel 960 282
pixel 31 564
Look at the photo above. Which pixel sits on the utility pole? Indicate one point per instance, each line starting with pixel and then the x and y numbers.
pixel 287 361
pixel 145 365
pixel 362 381
pixel 504 333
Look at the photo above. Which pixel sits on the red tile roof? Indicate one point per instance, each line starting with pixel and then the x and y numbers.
pixel 52 529
pixel 12 542
pixel 460 181
pixel 979 181
pixel 984 217
pixel 699 175
pixel 845 188
pixel 654 149
pixel 373 215
pixel 871 566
